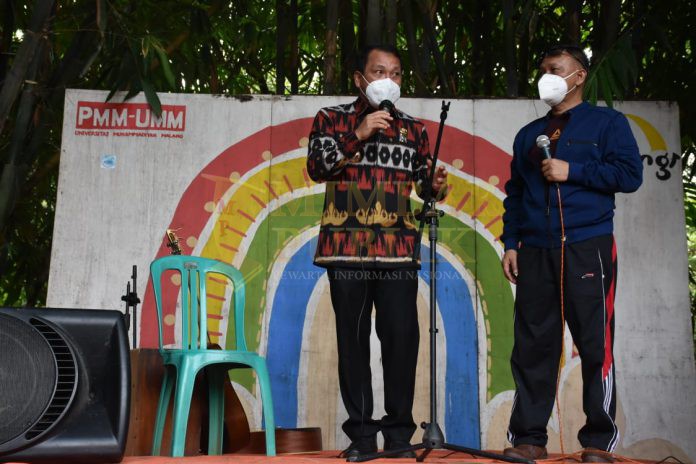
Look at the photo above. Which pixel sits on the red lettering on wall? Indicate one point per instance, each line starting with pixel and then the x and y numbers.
pixel 134 116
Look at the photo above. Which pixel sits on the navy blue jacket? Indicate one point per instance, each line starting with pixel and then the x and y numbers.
pixel 599 146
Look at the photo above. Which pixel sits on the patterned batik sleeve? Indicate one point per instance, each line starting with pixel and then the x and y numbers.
pixel 328 152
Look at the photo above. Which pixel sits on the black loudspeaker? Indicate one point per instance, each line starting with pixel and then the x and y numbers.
pixel 64 385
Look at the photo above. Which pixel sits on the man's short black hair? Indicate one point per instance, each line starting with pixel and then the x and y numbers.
pixel 573 50
pixel 361 58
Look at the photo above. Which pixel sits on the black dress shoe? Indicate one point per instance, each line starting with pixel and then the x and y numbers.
pixel 395 445
pixel 359 448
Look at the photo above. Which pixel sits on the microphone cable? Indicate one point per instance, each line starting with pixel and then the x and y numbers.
pixel 543 143
pixel 563 322
pixel 363 243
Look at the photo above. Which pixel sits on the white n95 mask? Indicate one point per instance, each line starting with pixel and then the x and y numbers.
pixel 381 90
pixel 553 88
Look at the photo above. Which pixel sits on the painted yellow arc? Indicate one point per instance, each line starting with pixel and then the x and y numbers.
pixel 657 143
pixel 238 212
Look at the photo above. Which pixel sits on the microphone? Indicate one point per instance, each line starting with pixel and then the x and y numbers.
pixel 544 143
pixel 388 106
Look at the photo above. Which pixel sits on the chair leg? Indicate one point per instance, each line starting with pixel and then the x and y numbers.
pixel 267 403
pixel 182 405
pixel 165 395
pixel 216 408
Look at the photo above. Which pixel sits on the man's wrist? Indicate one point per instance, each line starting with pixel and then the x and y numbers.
pixel 350 146
pixel 511 244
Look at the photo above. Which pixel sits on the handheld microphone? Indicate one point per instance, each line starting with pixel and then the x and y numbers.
pixel 544 143
pixel 386 105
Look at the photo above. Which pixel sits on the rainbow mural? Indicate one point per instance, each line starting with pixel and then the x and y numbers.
pixel 228 174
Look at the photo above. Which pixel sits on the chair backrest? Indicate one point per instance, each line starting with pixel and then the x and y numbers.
pixel 194 271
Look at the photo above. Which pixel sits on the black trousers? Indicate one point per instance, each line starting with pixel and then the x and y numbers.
pixel 589 288
pixel 393 292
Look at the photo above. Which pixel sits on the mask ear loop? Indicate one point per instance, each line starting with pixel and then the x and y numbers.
pixel 360 88
pixel 575 86
pixel 366 81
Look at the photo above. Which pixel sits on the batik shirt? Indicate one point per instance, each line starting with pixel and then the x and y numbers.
pixel 367 221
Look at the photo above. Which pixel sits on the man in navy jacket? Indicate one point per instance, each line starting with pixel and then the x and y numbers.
pixel 561 254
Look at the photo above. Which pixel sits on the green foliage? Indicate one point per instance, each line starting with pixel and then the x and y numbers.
pixel 614 75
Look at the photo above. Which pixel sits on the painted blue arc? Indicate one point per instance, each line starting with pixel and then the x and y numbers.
pixel 284 347
pixel 462 426
pixel 283 353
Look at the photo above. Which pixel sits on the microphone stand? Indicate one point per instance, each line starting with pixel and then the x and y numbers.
pixel 131 299
pixel 433 438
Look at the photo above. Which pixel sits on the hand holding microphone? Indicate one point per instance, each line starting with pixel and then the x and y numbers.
pixel 553 170
pixel 373 122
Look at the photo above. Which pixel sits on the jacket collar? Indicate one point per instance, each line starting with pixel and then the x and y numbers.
pixel 361 105
pixel 584 106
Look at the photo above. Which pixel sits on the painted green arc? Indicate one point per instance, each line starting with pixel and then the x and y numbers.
pixel 297 215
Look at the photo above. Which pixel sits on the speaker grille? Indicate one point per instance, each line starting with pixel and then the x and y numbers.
pixel 38 377
pixel 66 382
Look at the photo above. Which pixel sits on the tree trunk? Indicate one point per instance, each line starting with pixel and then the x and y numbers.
pixel 12 84
pixel 638 39
pixel 330 47
pixel 347 46
pixel 488 23
pixel 523 67
pixel 390 16
pixel 572 35
pixel 8 28
pixel 434 48
pixel 478 49
pixel 372 31
pixel 607 30
pixel 450 26
pixel 16 164
pixel 510 49
pixel 294 48
pixel 281 37
pixel 409 27
pixel 610 23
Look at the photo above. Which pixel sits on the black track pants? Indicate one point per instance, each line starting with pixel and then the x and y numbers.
pixel 589 288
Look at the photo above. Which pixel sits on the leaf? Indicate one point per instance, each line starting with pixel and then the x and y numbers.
pixel 605 85
pixel 166 69
pixel 590 91
pixel 621 70
pixel 151 97
pixel 614 74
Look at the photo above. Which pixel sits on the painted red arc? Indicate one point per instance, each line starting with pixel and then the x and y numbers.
pixel 212 182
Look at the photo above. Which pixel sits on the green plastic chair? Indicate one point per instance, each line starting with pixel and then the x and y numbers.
pixel 182 364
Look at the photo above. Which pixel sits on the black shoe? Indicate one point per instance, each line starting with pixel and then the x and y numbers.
pixel 359 448
pixel 395 445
